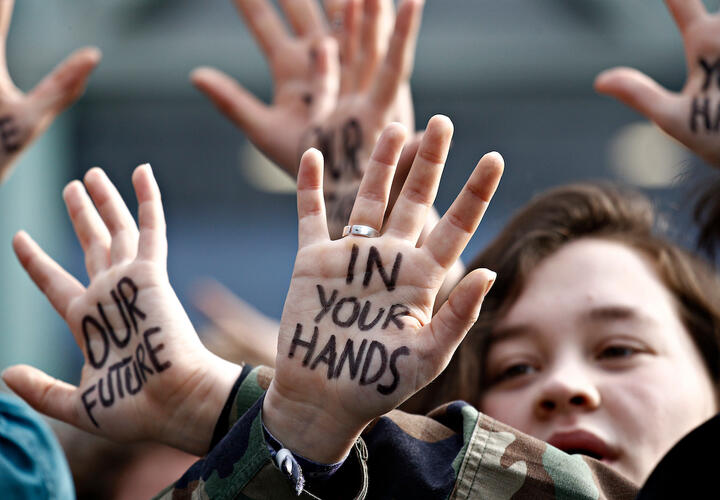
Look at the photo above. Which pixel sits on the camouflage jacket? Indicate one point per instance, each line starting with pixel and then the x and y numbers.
pixel 455 452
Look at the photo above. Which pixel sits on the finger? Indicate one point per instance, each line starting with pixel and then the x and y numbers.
pixel 441 337
pixel 91 232
pixel 305 16
pixel 265 24
pixel 418 193
pixel 53 281
pixel 349 45
pixel 685 12
pixel 404 164
pixel 398 63
pixel 67 81
pixel 325 76
pixel 448 239
pixel 6 9
pixel 115 214
pixel 152 243
pixel 373 40
pixel 48 395
pixel 372 196
pixel 638 91
pixel 312 222
pixel 233 101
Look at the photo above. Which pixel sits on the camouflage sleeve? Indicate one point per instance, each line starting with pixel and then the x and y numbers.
pixel 241 464
pixel 455 452
pixel 498 461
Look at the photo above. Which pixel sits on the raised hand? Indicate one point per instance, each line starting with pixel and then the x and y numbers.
pixel 23 117
pixel 358 335
pixel 143 359
pixel 338 104
pixel 691 116
pixel 238 332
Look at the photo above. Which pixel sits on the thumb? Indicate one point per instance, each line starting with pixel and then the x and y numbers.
pixel 67 81
pixel 232 100
pixel 639 91
pixel 46 394
pixel 443 334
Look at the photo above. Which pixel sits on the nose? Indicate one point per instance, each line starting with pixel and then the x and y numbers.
pixel 567 391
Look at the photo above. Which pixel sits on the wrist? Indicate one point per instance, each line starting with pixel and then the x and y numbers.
pixel 192 428
pixel 307 429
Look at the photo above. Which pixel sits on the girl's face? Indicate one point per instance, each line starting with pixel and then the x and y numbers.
pixel 593 358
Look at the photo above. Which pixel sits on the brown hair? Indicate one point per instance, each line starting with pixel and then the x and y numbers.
pixel 552 220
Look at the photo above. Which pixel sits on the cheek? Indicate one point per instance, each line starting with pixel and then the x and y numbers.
pixel 658 405
pixel 513 408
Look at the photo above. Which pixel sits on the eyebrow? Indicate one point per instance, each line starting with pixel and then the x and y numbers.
pixel 599 314
pixel 612 313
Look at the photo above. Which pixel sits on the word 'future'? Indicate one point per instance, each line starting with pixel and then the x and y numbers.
pixel 702 108
pixel 131 372
pixel 371 359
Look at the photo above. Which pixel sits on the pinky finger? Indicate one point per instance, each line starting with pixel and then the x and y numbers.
pixel 152 244
pixel 312 222
pixel 441 337
pixel 48 395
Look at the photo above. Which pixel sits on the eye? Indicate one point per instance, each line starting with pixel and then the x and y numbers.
pixel 618 352
pixel 514 371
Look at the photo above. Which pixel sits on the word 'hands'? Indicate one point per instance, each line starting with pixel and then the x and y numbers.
pixel 146 374
pixel 23 117
pixel 357 334
pixel 693 115
pixel 237 332
pixel 333 90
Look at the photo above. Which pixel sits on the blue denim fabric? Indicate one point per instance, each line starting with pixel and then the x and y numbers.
pixel 32 464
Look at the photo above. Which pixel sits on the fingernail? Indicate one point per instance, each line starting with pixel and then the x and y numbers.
pixel 490 283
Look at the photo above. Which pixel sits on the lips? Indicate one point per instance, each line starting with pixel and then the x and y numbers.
pixel 583 442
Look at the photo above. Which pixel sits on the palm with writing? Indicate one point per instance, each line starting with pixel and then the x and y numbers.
pixel 143 359
pixel 23 117
pixel 691 116
pixel 357 334
pixel 336 104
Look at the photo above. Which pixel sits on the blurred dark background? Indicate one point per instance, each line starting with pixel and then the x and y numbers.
pixel 515 76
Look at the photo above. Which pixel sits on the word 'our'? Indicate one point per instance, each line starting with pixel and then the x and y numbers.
pixel 128 375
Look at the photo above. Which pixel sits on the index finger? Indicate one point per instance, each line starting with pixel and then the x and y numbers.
pixel 685 12
pixel 264 22
pixel 398 63
pixel 304 16
pixel 6 9
pixel 448 239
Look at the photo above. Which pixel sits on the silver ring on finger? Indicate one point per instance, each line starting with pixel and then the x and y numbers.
pixel 360 230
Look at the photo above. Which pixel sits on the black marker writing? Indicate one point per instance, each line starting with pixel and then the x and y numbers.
pixel 374 262
pixel 348 311
pixel 709 69
pixel 127 376
pixel 9 135
pixel 376 360
pixel 701 109
pixel 704 113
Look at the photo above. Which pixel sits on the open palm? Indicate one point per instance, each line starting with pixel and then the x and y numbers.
pixel 143 358
pixel 692 116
